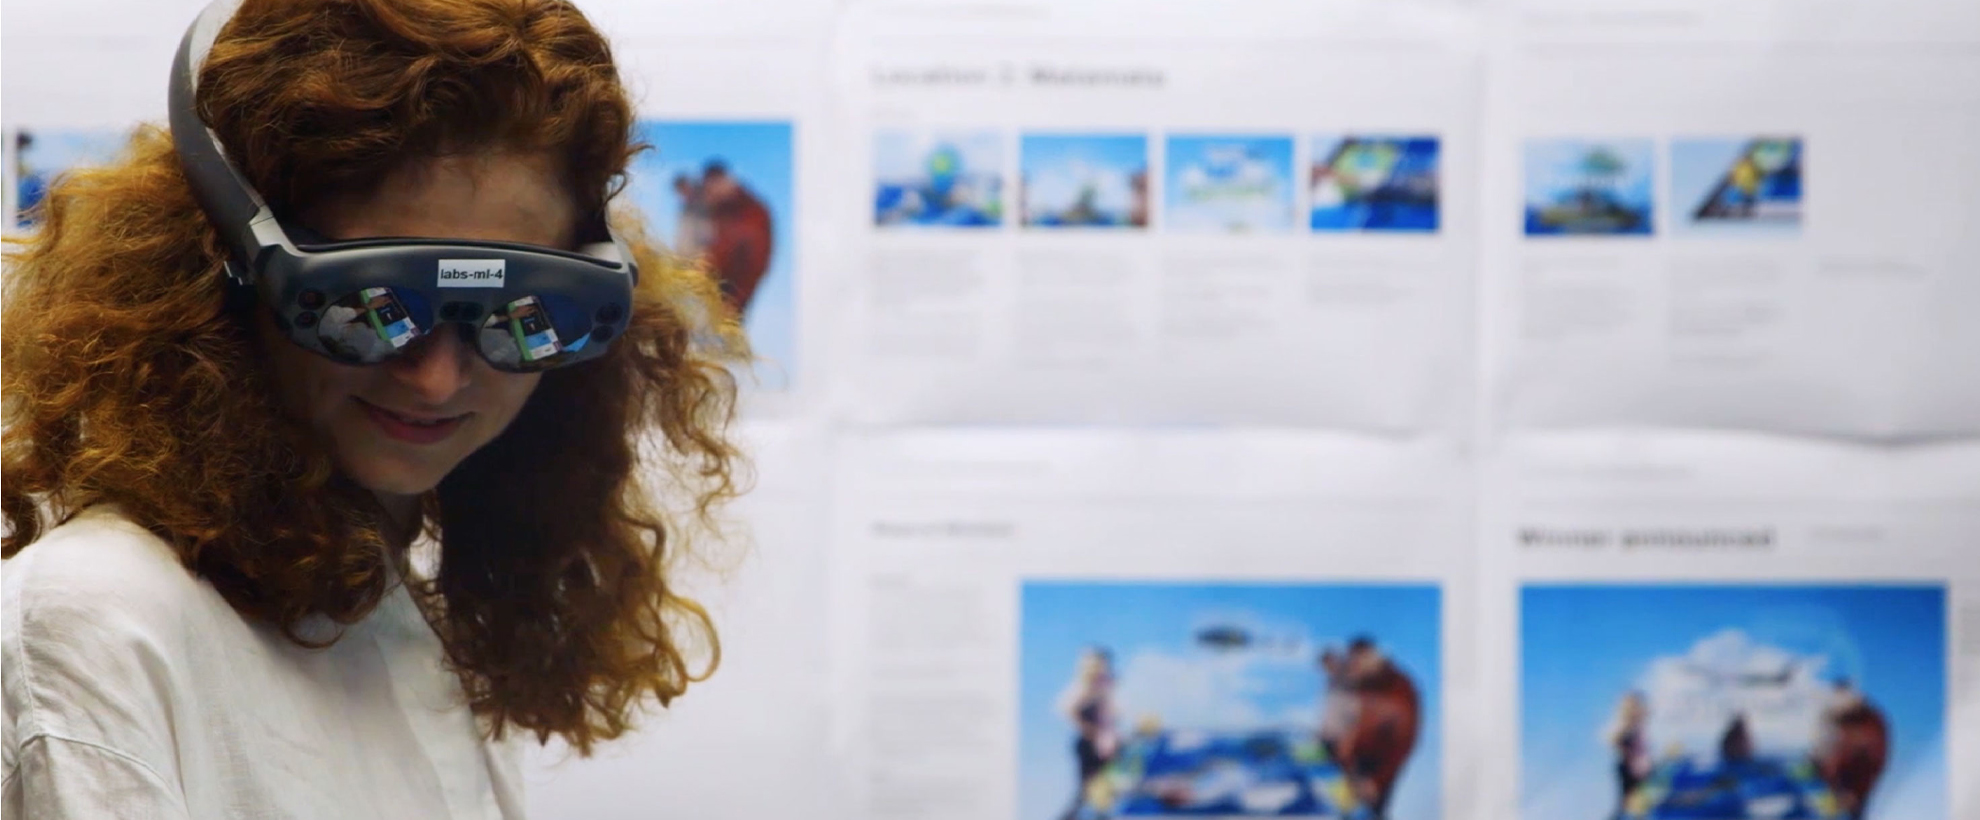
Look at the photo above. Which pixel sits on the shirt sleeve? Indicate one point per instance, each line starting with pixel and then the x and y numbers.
pixel 58 779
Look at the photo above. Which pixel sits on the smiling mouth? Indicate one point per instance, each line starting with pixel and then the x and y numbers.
pixel 412 429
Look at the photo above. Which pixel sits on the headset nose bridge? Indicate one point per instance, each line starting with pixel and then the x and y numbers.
pixel 466 313
pixel 436 367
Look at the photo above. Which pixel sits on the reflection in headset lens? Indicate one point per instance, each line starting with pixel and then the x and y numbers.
pixel 523 335
pixel 368 326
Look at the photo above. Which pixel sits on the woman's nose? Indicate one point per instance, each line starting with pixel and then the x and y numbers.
pixel 436 367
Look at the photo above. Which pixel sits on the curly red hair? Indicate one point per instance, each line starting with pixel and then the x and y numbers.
pixel 133 377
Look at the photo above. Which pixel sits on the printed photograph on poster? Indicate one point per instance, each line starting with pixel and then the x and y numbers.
pixel 1693 701
pixel 1083 180
pixel 951 179
pixel 1736 186
pixel 1156 699
pixel 41 155
pixel 1590 187
pixel 1228 184
pixel 722 193
pixel 1374 183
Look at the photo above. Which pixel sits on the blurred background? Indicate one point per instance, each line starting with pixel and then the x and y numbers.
pixel 1418 409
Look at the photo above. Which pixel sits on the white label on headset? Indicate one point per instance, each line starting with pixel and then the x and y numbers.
pixel 472 273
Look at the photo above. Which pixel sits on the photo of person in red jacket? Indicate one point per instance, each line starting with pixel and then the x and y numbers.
pixel 727 227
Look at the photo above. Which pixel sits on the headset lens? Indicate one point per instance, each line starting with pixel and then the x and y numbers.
pixel 534 333
pixel 372 325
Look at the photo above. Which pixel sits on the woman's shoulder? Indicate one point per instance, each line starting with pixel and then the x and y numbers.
pixel 97 571
pixel 100 621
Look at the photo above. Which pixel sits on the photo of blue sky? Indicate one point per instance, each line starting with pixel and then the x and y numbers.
pixel 1084 180
pixel 1228 658
pixel 40 155
pixel 1700 655
pixel 758 155
pixel 1736 186
pixel 1228 184
pixel 938 178
pixel 1590 187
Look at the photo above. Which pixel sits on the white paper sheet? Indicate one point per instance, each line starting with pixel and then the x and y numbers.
pixel 1735 216
pixel 1100 212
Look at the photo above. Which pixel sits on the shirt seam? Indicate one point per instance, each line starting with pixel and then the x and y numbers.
pixel 156 778
pixel 32 718
pixel 26 611
pixel 28 688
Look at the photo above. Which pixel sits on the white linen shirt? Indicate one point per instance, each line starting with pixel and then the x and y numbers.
pixel 132 690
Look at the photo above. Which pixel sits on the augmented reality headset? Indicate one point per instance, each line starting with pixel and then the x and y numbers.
pixel 526 308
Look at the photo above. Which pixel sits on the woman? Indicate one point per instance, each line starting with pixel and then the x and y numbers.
pixel 1631 748
pixel 1089 704
pixel 213 607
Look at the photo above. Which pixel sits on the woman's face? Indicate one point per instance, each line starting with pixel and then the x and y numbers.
pixel 399 427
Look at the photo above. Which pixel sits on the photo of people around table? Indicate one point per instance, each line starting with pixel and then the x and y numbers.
pixel 1733 702
pixel 1156 699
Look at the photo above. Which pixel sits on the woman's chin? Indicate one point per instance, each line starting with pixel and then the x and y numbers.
pixel 392 479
